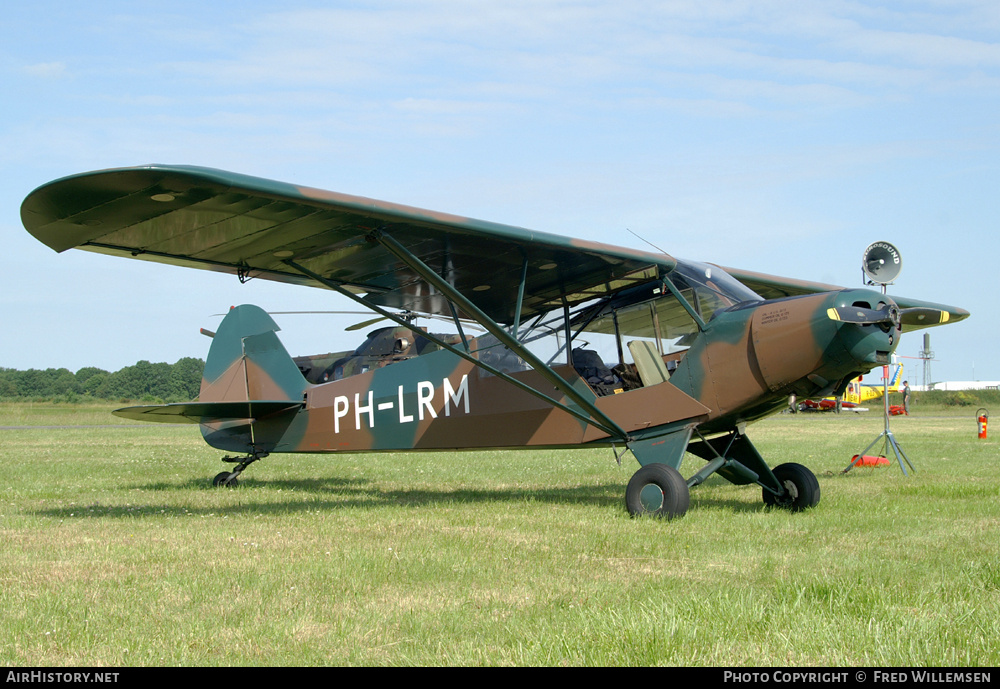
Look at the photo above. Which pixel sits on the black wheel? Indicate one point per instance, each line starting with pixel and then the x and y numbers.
pixel 221 480
pixel 801 488
pixel 657 490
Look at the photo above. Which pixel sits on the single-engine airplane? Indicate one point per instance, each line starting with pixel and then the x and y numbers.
pixel 584 344
pixel 859 392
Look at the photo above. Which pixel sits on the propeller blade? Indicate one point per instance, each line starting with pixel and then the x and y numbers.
pixel 864 316
pixel 286 313
pixel 924 316
pixel 856 314
pixel 364 324
pixel 310 313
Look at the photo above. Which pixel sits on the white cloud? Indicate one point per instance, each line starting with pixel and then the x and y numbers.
pixel 46 70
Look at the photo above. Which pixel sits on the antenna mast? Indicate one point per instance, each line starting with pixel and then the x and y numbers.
pixel 926 354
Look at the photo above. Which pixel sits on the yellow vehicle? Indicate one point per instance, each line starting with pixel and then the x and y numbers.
pixel 859 393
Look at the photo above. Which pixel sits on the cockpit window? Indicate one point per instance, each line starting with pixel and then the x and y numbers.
pixel 644 310
pixel 649 311
pixel 713 288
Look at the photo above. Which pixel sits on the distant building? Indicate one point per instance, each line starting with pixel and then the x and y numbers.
pixel 960 385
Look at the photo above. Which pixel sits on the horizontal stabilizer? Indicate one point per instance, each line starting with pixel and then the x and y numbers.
pixel 208 412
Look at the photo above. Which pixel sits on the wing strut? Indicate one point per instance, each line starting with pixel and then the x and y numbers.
pixel 596 418
pixel 403 254
pixel 520 295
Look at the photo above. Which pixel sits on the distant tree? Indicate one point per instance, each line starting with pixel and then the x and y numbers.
pixel 185 378
pixel 84 375
pixel 142 381
pixel 96 385
pixel 48 383
pixel 8 382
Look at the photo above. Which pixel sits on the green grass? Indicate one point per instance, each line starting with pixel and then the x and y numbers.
pixel 52 413
pixel 116 551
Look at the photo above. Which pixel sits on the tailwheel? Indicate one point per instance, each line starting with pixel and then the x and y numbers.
pixel 657 490
pixel 225 478
pixel 801 488
pixel 228 478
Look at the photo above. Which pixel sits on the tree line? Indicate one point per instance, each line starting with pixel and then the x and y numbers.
pixel 162 382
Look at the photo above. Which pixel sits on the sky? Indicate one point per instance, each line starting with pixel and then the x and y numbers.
pixel 780 136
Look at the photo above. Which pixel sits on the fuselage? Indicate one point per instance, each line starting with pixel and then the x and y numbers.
pixel 740 366
pixel 752 357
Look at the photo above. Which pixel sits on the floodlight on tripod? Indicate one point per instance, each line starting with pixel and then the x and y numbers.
pixel 881 265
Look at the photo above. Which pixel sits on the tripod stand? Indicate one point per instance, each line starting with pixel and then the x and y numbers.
pixel 886 435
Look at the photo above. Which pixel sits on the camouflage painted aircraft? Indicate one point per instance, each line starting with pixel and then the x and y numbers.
pixel 585 343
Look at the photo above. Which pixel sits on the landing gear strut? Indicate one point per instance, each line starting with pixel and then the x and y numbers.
pixel 229 478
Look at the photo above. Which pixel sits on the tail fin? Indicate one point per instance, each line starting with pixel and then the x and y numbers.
pixel 248 377
pixel 895 377
pixel 248 362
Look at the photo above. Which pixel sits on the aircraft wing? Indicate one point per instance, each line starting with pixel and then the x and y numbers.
pixel 256 228
pixel 774 287
pixel 917 314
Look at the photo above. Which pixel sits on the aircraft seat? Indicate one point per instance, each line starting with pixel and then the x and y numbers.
pixel 591 367
pixel 648 362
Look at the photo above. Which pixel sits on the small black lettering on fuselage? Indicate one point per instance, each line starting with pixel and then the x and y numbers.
pixel 776 316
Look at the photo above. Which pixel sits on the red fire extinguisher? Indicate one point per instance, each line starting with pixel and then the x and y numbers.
pixel 982 416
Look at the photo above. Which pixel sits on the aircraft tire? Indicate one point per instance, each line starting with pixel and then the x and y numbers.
pixel 220 480
pixel 657 490
pixel 801 484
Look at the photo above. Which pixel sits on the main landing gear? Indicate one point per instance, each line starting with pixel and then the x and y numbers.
pixel 229 478
pixel 657 489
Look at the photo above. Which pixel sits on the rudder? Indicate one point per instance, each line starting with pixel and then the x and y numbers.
pixel 897 376
pixel 248 362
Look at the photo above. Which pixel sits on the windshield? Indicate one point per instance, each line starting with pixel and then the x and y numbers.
pixel 714 289
pixel 652 312
pixel 649 311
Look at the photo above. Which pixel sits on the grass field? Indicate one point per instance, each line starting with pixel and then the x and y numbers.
pixel 115 551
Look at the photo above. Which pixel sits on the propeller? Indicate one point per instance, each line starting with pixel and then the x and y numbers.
pixel 285 313
pixel 891 314
pixel 865 316
pixel 408 316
